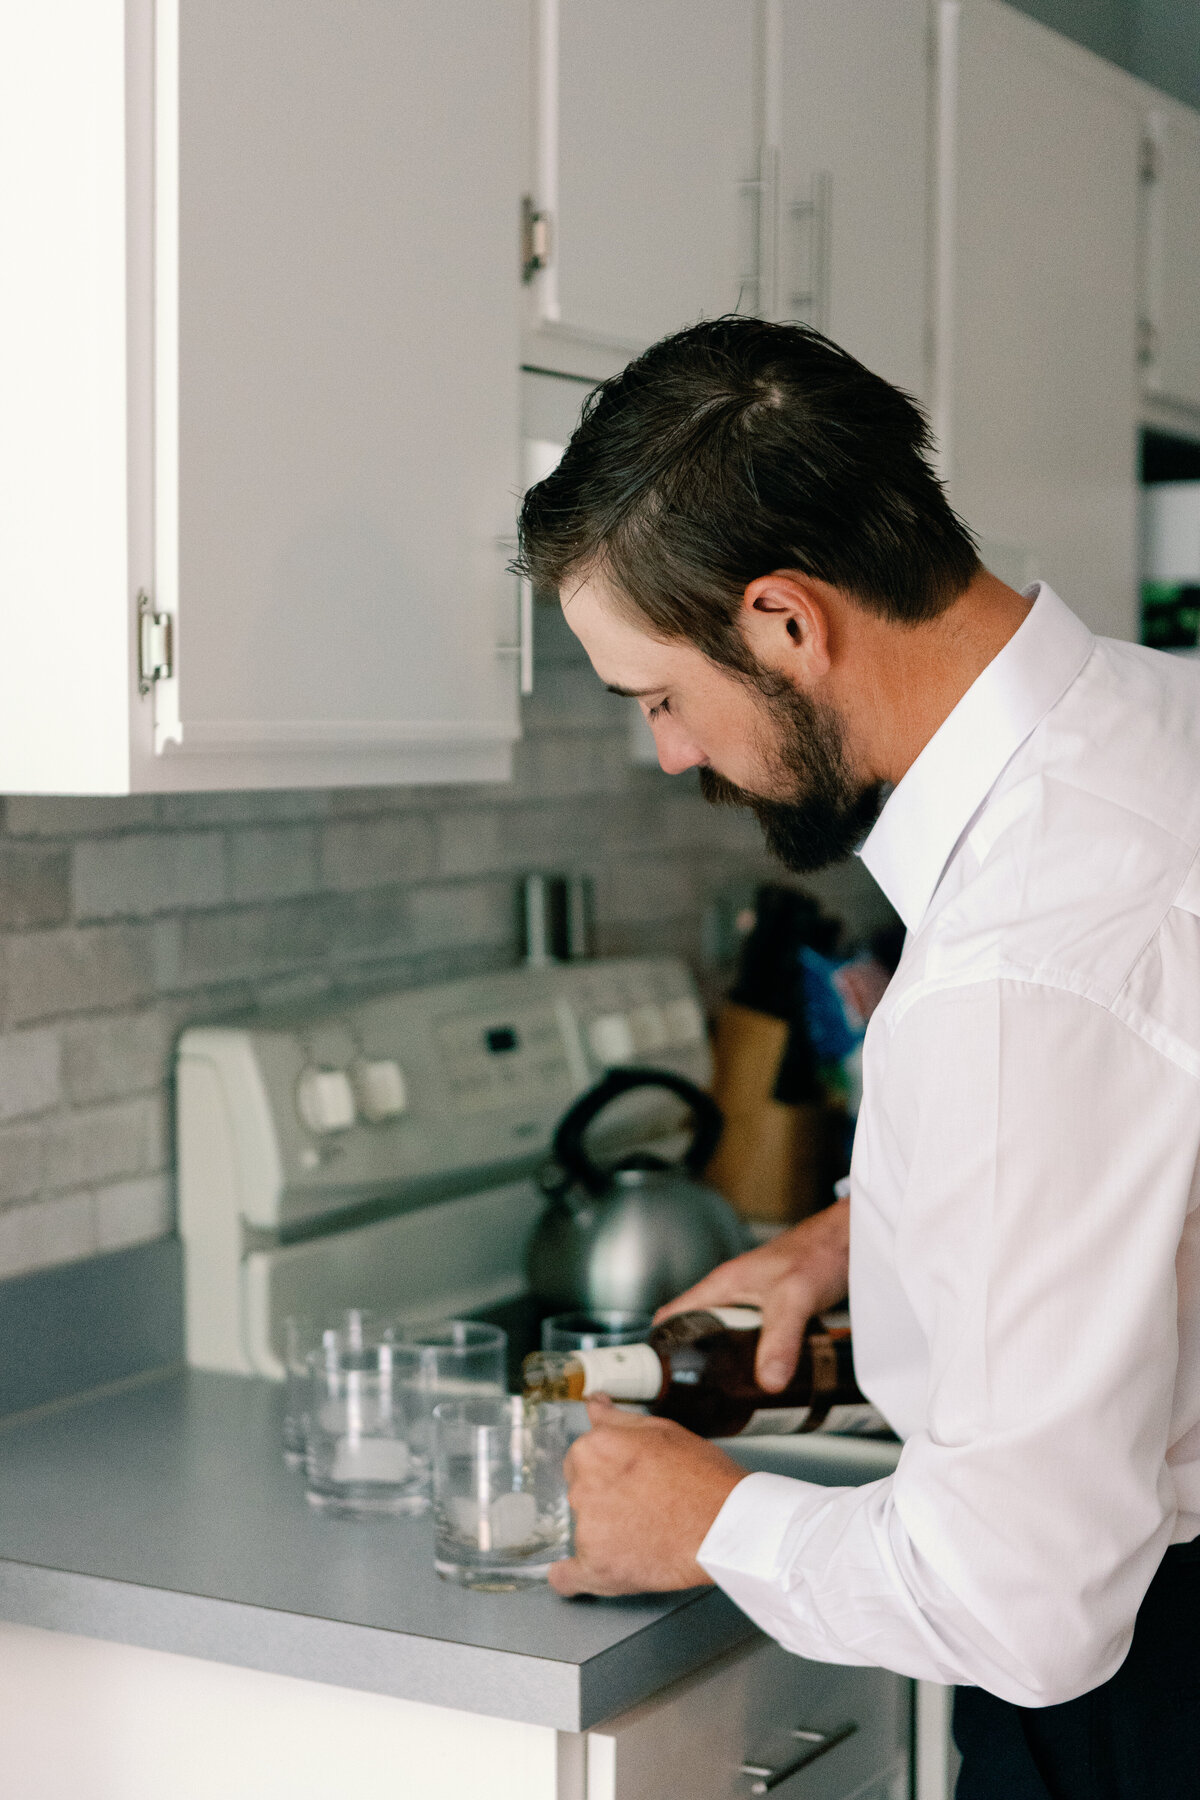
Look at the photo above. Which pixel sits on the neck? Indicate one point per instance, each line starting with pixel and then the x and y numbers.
pixel 894 685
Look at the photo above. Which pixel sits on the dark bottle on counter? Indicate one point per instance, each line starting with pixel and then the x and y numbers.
pixel 698 1369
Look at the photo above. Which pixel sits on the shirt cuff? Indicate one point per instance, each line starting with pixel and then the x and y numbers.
pixel 747 1536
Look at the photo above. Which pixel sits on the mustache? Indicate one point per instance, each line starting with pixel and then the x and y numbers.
pixel 719 791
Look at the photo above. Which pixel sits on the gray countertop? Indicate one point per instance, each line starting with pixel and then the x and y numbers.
pixel 164 1516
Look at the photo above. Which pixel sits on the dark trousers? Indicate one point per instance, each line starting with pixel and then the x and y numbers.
pixel 1137 1737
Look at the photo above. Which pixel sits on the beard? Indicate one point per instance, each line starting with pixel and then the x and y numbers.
pixel 829 811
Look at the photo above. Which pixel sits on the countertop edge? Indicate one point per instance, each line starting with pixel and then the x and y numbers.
pixel 500 1684
pixel 644 1664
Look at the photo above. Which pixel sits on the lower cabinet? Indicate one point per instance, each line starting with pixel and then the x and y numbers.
pixel 83 1719
pixel 737 1728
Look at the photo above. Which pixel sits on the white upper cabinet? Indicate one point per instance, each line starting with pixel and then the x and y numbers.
pixel 643 155
pixel 261 363
pixel 1170 346
pixel 846 226
pixel 1035 394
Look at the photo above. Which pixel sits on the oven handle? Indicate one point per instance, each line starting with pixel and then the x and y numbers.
pixel 816 1743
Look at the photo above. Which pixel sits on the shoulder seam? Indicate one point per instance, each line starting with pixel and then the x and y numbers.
pixel 1152 1032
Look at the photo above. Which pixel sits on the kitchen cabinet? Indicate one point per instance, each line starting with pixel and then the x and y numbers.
pixel 756 1713
pixel 642 164
pixel 115 1721
pixel 85 1719
pixel 260 368
pixel 1170 324
pixel 690 159
pixel 847 124
pixel 1035 391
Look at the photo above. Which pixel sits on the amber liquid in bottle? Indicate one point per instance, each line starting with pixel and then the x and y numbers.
pixel 698 1369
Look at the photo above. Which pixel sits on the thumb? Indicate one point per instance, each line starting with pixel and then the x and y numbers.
pixel 603 1410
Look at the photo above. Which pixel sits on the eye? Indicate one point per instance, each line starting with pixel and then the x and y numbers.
pixel 655 712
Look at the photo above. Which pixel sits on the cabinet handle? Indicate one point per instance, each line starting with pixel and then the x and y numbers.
pixel 816 1743
pixel 761 191
pixel 523 648
pixel 816 214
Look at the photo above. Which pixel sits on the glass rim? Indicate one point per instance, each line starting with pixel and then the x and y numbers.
pixel 455 1335
pixel 605 1318
pixel 373 1359
pixel 503 1408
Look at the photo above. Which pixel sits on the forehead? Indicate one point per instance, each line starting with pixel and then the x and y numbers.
pixel 624 653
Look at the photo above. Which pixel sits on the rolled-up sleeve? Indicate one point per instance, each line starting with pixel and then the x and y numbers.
pixel 1046 1153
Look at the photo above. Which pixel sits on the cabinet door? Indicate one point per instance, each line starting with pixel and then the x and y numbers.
pixel 645 134
pixel 85 1719
pixel 765 1709
pixel 338 190
pixel 64 602
pixel 851 95
pixel 1039 410
pixel 1171 241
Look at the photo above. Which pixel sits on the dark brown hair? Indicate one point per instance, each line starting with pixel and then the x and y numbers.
pixel 732 449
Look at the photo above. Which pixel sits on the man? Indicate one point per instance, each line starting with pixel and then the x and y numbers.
pixel 745 535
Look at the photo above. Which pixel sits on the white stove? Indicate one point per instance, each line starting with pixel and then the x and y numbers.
pixel 379 1152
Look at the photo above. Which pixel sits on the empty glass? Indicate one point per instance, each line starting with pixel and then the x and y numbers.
pixel 301 1336
pixel 500 1496
pixel 591 1330
pixel 457 1360
pixel 359 1459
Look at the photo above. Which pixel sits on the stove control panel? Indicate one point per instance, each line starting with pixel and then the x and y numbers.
pixel 415 1094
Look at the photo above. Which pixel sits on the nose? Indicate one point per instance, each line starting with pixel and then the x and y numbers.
pixel 676 751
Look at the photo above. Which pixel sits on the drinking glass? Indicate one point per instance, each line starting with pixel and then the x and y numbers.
pixel 590 1330
pixel 359 1458
pixel 500 1496
pixel 457 1360
pixel 302 1335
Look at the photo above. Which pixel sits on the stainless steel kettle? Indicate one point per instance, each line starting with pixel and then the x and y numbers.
pixel 632 1235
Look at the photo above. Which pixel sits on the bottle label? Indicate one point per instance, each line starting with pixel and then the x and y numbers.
pixel 859 1420
pixel 736 1318
pixel 775 1421
pixel 623 1371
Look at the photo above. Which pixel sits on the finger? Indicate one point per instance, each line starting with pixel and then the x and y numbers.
pixel 785 1317
pixel 566 1577
pixel 729 1284
pixel 603 1411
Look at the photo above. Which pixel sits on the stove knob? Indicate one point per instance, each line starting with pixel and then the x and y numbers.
pixel 325 1100
pixel 380 1090
pixel 611 1039
pixel 649 1029
pixel 685 1021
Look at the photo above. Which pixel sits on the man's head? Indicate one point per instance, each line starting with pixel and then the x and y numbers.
pixel 725 508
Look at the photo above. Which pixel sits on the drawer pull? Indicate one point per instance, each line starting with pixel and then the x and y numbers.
pixel 816 1743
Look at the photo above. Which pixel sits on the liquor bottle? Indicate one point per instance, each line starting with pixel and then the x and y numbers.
pixel 698 1369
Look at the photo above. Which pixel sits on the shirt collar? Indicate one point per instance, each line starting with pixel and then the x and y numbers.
pixel 927 812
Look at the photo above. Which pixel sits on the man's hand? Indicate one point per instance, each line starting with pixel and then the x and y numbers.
pixel 797 1274
pixel 644 1493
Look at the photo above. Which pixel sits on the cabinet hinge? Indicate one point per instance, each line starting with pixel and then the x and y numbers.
pixel 1148 165
pixel 535 239
pixel 155 645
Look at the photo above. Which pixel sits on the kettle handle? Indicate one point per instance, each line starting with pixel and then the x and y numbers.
pixel 569 1151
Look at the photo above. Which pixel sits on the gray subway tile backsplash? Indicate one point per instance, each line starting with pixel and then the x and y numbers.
pixel 121 920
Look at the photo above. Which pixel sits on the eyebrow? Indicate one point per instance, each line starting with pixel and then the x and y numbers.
pixel 633 693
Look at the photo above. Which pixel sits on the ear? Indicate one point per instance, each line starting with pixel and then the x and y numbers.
pixel 785 619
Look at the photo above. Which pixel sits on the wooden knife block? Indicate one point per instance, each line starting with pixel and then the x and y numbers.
pixel 772 1158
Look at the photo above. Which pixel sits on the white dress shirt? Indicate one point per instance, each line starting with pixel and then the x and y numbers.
pixel 1024 1238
